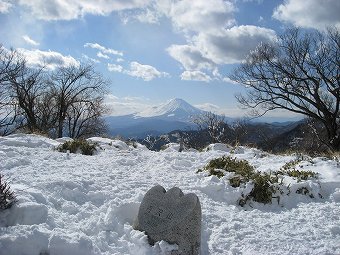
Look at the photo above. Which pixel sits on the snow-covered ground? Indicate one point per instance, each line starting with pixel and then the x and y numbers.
pixel 79 205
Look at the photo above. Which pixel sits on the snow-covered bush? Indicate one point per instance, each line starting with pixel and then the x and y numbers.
pixel 7 196
pixel 290 170
pixel 265 186
pixel 219 166
pixel 78 146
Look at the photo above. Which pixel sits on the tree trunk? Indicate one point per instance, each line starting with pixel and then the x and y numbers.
pixel 333 133
pixel 334 139
pixel 60 126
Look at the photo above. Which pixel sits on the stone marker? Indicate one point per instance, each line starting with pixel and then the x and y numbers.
pixel 173 217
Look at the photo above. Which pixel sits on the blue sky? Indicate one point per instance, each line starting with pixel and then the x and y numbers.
pixel 153 51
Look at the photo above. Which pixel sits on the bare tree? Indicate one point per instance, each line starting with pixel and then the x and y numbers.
pixel 197 139
pixel 28 88
pixel 68 99
pixel 11 63
pixel 46 112
pixel 74 87
pixel 24 93
pixel 240 130
pixel 299 72
pixel 10 66
pixel 84 118
pixel 150 141
pixel 214 124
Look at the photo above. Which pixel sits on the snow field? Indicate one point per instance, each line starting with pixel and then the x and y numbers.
pixel 76 204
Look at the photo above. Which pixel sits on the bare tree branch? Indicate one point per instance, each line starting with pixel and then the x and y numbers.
pixel 74 87
pixel 300 73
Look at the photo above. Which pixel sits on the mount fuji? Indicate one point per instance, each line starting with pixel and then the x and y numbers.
pixel 172 115
pixel 175 109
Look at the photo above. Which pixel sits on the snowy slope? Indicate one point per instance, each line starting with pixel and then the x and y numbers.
pixel 82 205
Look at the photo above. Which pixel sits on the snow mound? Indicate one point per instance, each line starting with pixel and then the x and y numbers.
pixel 27 213
pixel 118 144
pixel 76 245
pixel 218 147
pixel 24 140
pixel 64 139
pixel 172 147
pixel 335 197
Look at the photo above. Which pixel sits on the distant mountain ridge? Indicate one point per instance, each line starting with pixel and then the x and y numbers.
pixel 176 114
pixel 164 118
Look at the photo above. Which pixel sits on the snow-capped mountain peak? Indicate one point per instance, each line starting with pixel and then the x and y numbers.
pixel 176 114
pixel 174 108
pixel 177 103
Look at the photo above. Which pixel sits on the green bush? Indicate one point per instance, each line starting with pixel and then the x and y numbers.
pixel 290 165
pixel 78 146
pixel 243 173
pixel 265 185
pixel 7 196
pixel 240 167
pixel 300 174
pixel 289 169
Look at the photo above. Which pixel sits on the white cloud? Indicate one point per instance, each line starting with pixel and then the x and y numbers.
pixel 228 80
pixel 68 10
pixel 201 15
pixel 228 111
pixel 208 107
pixel 145 72
pixel 232 45
pixel 148 16
pixel 126 105
pixel 187 15
pixel 119 60
pixel 212 37
pixel 103 50
pixel 115 68
pixel 195 76
pixel 87 58
pixel 101 55
pixel 47 59
pixel 310 14
pixel 206 51
pixel 190 57
pixel 5 6
pixel 30 41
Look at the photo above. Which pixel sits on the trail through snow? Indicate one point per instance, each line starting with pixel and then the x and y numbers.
pixel 76 204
